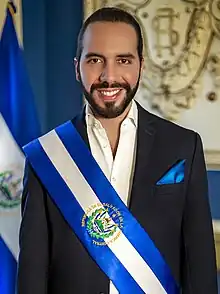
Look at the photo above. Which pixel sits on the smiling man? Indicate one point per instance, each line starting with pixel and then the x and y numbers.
pixel 115 201
pixel 109 68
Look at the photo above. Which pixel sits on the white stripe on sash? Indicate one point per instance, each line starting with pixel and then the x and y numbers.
pixel 86 197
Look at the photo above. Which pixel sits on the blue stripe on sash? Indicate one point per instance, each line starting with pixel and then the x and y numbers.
pixel 73 214
pixel 107 194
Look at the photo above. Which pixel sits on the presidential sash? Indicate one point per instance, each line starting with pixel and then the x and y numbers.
pixel 97 215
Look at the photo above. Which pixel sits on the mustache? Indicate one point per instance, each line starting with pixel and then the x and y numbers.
pixel 105 85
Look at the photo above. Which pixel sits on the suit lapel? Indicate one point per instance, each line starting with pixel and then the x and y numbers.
pixel 145 139
pixel 143 178
pixel 80 124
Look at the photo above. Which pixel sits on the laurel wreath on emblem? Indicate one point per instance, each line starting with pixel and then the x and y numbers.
pixel 9 190
pixel 99 224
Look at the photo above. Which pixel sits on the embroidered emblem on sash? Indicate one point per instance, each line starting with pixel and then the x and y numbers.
pixel 103 223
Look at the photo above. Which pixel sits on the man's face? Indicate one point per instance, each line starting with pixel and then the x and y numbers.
pixel 109 67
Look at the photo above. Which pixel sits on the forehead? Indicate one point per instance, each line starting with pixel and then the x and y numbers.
pixel 110 38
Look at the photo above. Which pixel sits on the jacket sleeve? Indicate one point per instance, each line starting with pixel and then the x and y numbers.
pixel 199 274
pixel 33 258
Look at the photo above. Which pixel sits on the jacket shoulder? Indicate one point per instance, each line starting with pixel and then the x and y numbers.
pixel 165 126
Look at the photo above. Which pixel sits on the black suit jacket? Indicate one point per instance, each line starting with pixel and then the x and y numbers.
pixel 176 216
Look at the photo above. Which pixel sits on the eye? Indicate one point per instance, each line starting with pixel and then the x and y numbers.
pixel 94 60
pixel 124 61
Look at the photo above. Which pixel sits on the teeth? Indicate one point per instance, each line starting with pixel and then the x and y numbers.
pixel 110 93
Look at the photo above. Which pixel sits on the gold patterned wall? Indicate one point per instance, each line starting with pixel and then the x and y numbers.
pixel 181 78
pixel 18 17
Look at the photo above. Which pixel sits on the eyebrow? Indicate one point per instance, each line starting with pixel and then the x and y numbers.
pixel 93 54
pixel 126 55
pixel 123 55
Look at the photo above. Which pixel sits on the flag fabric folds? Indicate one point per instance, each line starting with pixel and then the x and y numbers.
pixel 18 126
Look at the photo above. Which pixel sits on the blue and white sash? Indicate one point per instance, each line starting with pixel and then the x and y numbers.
pixel 97 215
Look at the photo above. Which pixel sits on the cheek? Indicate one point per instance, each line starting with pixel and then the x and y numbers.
pixel 132 78
pixel 131 73
pixel 89 76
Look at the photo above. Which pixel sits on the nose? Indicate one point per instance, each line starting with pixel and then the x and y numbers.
pixel 109 73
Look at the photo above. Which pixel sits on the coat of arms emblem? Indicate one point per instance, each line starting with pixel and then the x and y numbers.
pixel 10 189
pixel 103 223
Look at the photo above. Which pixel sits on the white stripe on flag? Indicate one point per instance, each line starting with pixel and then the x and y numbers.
pixel 11 159
pixel 86 197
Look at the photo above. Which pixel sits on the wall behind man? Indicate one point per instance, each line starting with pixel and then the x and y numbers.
pixel 50 31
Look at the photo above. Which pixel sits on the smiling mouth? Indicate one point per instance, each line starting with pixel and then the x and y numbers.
pixel 109 94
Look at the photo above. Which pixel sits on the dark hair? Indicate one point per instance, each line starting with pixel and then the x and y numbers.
pixel 110 14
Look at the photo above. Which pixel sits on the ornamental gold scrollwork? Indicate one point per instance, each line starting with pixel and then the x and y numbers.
pixel 167 14
pixel 196 2
pixel 214 8
pixel 213 66
pixel 177 41
pixel 176 85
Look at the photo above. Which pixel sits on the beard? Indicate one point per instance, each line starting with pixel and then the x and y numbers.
pixel 110 110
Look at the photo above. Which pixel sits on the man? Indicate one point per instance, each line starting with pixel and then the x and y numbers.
pixel 150 230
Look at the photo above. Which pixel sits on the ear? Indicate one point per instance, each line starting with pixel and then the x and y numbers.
pixel 142 65
pixel 76 64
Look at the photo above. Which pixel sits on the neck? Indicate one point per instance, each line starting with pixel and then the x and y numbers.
pixel 113 124
pixel 112 128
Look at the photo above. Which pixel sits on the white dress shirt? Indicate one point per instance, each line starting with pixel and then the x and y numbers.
pixel 118 170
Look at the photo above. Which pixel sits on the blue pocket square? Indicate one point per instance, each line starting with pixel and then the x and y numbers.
pixel 174 175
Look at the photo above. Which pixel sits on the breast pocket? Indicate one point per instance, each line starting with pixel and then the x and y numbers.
pixel 169 189
pixel 169 201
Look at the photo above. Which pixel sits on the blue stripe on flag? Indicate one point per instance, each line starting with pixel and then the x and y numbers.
pixel 73 214
pixel 16 96
pixel 7 269
pixel 105 192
